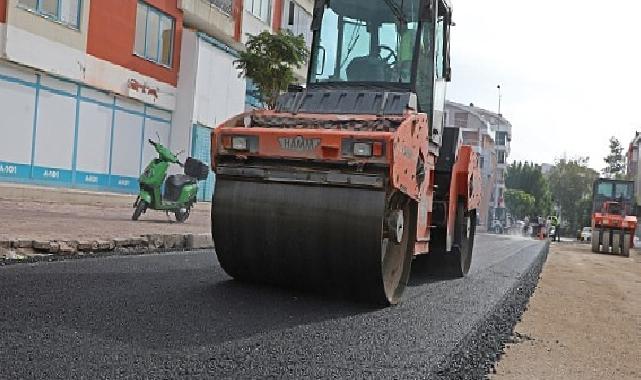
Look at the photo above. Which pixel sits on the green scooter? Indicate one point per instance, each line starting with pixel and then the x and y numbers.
pixel 180 189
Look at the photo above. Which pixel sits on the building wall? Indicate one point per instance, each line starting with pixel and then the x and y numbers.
pixel 201 105
pixel 112 33
pixel 217 20
pixel 39 43
pixel 479 132
pixel 633 167
pixel 33 23
pixel 64 133
pixel 3 10
pixel 34 41
pixel 207 62
pixel 252 25
pixel 3 38
pixel 69 108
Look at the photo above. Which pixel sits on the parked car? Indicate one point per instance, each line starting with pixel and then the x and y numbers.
pixel 586 234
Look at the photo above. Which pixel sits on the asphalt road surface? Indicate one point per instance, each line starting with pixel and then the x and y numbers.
pixel 179 315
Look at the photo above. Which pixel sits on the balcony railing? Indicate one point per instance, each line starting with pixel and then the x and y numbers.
pixel 223 5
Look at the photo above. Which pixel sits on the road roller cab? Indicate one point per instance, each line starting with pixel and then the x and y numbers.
pixel 344 183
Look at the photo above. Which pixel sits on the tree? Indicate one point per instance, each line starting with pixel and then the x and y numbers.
pixel 528 178
pixel 520 203
pixel 571 183
pixel 615 161
pixel 269 61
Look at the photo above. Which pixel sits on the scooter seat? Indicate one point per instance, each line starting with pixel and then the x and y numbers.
pixel 175 184
pixel 180 180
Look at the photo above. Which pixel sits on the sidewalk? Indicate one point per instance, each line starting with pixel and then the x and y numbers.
pixel 582 321
pixel 42 213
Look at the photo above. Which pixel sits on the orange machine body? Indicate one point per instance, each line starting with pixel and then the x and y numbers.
pixel 400 146
pixel 613 216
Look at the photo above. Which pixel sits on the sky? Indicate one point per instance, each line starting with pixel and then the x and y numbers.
pixel 570 72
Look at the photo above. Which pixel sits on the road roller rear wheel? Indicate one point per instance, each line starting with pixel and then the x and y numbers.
pixel 627 242
pixel 457 262
pixel 616 242
pixel 351 242
pixel 596 240
pixel 464 234
pixel 605 247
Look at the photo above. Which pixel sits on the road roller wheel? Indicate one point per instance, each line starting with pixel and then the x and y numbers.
pixel 457 262
pixel 351 242
pixel 397 250
pixel 627 242
pixel 596 240
pixel 616 242
pixel 464 234
pixel 605 246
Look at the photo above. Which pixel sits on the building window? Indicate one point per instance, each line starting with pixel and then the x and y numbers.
pixel 298 21
pixel 460 119
pixel 66 12
pixel 260 8
pixel 470 138
pixel 252 96
pixel 501 138
pixel 154 34
pixel 501 157
pixel 482 162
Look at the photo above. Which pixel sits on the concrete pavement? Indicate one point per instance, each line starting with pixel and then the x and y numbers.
pixel 41 213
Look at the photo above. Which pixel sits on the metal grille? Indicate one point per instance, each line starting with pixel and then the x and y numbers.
pixel 381 125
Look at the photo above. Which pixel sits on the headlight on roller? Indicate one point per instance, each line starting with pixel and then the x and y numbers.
pixel 362 149
pixel 239 143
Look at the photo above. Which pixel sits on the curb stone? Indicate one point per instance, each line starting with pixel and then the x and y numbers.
pixel 22 250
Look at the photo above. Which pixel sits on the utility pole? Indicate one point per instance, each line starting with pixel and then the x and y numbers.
pixel 499 88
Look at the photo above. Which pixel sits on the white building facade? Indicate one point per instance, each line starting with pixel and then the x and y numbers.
pixel 85 83
pixel 490 135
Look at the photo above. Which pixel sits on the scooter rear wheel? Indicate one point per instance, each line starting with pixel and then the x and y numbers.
pixel 182 216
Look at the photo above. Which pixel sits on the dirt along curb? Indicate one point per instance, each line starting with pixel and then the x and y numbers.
pixel 23 250
pixel 583 320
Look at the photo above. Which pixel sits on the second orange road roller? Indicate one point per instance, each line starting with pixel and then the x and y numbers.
pixel 614 220
pixel 350 181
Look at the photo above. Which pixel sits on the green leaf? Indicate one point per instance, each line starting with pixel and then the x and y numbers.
pixel 269 61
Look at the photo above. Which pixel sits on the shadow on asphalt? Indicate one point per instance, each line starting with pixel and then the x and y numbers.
pixel 422 274
pixel 420 279
pixel 180 308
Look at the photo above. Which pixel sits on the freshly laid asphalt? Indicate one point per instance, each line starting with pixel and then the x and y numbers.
pixel 180 316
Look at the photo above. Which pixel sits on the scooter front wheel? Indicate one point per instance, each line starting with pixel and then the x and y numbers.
pixel 182 214
pixel 140 208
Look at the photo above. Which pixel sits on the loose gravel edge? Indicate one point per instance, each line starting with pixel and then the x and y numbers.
pixel 476 355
